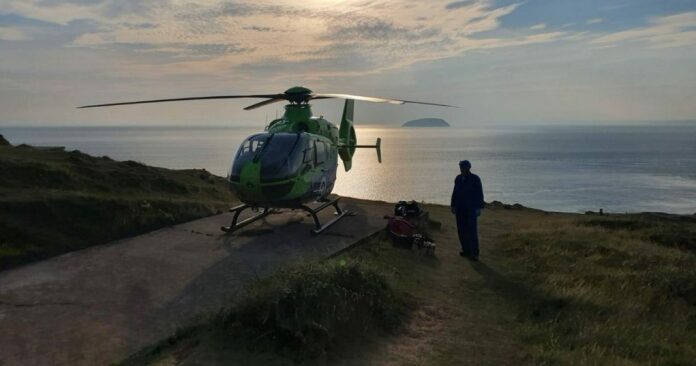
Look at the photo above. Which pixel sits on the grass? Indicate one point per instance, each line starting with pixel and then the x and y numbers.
pixel 618 290
pixel 423 315
pixel 296 315
pixel 675 231
pixel 52 201
pixel 553 289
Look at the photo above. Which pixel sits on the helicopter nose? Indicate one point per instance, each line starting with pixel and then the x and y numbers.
pixel 249 182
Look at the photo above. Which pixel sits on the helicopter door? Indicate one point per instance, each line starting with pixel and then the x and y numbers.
pixel 309 157
pixel 322 183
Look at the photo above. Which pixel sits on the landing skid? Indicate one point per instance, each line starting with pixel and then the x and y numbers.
pixel 237 225
pixel 314 211
pixel 318 228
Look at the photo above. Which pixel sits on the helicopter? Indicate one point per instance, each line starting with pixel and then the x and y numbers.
pixel 293 162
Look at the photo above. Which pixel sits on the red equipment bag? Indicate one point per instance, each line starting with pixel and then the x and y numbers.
pixel 401 230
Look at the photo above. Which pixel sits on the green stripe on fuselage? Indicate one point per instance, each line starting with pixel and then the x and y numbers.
pixel 250 182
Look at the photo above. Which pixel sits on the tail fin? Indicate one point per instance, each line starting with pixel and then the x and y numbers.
pixel 347 142
pixel 346 135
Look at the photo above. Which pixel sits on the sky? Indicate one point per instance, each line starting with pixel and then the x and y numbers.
pixel 500 61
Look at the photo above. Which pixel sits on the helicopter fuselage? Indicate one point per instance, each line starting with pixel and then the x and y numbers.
pixel 293 162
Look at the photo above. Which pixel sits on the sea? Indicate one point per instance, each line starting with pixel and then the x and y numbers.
pixel 566 168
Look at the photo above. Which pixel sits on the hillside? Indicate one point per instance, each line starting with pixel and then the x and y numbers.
pixel 53 201
pixel 551 289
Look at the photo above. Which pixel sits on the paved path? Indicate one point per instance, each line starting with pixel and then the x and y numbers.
pixel 98 305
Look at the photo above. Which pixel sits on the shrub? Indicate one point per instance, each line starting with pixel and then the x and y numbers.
pixel 306 310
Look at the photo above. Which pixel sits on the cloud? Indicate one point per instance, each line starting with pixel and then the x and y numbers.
pixel 179 51
pixel 667 31
pixel 8 19
pixel 115 8
pixel 12 34
pixel 208 37
pixel 52 11
pixel 484 51
pixel 257 28
pixel 140 25
pixel 217 48
pixel 458 4
pixel 376 29
pixel 64 11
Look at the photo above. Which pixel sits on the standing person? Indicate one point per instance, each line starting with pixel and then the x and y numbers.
pixel 467 203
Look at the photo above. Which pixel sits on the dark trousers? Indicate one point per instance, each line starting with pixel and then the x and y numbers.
pixel 468 233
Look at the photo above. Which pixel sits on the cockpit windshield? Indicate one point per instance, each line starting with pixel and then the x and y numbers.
pixel 280 154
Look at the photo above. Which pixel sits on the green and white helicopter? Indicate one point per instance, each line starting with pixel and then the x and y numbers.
pixel 294 161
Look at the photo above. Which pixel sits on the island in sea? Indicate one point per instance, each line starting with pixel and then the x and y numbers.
pixel 427 122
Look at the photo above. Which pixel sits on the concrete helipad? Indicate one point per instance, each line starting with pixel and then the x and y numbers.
pixel 99 305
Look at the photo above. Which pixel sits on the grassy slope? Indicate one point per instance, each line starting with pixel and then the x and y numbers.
pixel 551 289
pixel 605 290
pixel 52 202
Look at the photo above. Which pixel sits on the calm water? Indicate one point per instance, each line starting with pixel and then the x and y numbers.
pixel 559 168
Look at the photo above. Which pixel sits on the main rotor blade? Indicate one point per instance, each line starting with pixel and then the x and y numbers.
pixel 375 99
pixel 271 96
pixel 261 104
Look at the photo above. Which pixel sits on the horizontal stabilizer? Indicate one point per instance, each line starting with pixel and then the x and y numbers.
pixel 377 146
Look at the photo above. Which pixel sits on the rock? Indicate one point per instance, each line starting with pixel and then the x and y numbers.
pixel 427 122
pixel 495 204
pixel 4 142
pixel 498 204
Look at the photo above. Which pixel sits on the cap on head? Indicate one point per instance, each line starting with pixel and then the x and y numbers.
pixel 464 164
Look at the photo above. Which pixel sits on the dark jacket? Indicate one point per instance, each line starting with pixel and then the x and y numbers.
pixel 467 195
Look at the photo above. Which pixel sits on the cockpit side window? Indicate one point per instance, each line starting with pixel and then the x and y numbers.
pixel 247 151
pixel 252 145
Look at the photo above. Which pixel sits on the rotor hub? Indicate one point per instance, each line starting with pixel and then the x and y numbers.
pixel 298 95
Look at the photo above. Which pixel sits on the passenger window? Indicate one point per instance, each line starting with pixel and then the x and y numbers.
pixel 308 155
pixel 321 152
